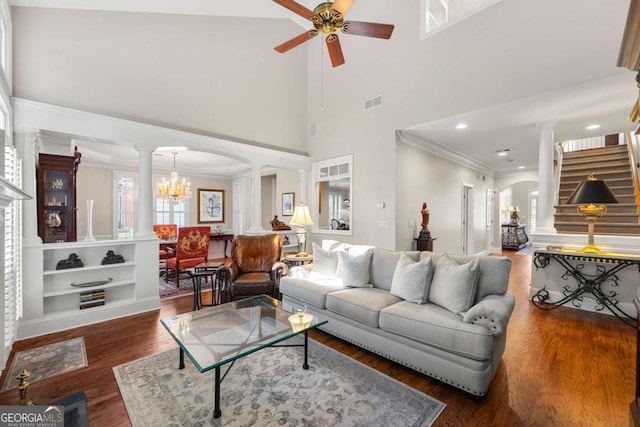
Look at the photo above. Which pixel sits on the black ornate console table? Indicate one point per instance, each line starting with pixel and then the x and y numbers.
pixel 589 285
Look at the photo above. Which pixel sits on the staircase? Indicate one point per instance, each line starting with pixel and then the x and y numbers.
pixel 610 164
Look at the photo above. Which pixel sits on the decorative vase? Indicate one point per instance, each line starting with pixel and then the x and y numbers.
pixel 89 237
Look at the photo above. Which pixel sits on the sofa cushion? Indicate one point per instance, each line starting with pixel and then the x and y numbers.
pixel 325 262
pixel 383 265
pixel 454 286
pixel 494 273
pixel 313 292
pixel 411 279
pixel 354 269
pixel 436 326
pixel 360 304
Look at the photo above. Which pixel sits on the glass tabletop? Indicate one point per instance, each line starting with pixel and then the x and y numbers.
pixel 217 335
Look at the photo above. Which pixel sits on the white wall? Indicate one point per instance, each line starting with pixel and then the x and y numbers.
pixel 97 183
pixel 423 177
pixel 214 75
pixel 455 71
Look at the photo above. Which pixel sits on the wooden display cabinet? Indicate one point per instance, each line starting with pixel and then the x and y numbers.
pixel 56 178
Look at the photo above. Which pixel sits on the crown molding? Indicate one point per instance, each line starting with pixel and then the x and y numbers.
pixel 443 152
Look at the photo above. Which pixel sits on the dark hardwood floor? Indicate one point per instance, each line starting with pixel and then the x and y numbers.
pixel 561 368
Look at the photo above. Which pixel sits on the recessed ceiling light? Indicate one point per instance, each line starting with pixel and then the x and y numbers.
pixel 520 167
pixel 593 126
pixel 461 126
pixel 502 153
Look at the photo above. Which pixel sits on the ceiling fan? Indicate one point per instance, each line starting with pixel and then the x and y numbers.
pixel 328 18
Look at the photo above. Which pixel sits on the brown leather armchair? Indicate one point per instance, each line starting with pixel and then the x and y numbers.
pixel 255 267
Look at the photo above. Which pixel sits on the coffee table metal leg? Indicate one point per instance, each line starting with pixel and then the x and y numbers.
pixel 181 364
pixel 306 345
pixel 196 293
pixel 216 411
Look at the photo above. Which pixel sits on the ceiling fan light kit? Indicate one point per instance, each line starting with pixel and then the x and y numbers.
pixel 328 18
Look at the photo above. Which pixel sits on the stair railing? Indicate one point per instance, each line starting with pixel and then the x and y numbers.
pixel 632 147
pixel 557 170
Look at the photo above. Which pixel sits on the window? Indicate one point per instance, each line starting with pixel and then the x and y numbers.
pixel 169 212
pixel 440 14
pixel 126 197
pixel 126 191
pixel 12 252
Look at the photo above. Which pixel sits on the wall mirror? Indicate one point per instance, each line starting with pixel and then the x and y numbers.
pixel 333 184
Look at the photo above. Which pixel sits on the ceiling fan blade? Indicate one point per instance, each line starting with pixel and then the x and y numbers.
pixel 288 45
pixel 341 7
pixel 368 29
pixel 335 50
pixel 296 8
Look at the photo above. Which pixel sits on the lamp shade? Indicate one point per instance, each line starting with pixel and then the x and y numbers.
pixel 301 216
pixel 591 191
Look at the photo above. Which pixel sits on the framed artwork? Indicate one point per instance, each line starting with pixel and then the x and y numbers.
pixel 210 206
pixel 288 202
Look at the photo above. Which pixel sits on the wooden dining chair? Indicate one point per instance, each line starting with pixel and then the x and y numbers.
pixel 165 232
pixel 192 248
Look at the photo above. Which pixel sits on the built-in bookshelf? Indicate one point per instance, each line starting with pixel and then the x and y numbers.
pixel 53 296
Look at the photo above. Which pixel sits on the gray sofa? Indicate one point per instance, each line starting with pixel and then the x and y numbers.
pixel 462 347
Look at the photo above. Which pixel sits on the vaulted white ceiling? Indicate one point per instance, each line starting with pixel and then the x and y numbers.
pixel 606 100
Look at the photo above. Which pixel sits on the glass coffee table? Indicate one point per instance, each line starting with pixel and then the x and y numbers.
pixel 215 336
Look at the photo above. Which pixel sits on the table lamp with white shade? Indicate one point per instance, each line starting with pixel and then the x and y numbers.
pixel 301 217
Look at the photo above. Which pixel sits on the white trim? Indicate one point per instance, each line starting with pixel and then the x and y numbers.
pixel 444 152
pixel 117 131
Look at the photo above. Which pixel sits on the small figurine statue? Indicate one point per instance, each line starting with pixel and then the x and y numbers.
pixel 72 262
pixel 424 231
pixel 23 388
pixel 513 214
pixel 112 258
pixel 276 224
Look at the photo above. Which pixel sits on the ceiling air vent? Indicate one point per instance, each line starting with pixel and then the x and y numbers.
pixel 374 102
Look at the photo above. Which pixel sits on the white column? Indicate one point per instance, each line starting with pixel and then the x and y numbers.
pixel 28 153
pixel 145 193
pixel 256 198
pixel 238 205
pixel 546 191
pixel 303 186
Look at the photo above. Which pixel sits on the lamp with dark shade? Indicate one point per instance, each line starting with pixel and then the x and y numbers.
pixel 591 195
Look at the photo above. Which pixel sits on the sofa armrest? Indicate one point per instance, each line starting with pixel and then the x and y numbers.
pixel 492 312
pixel 278 270
pixel 300 271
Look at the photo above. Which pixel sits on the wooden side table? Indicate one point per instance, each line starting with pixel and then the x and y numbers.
pixel 425 244
pixel 298 260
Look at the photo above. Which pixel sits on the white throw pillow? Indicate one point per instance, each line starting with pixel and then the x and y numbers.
pixel 354 269
pixel 411 279
pixel 324 262
pixel 454 286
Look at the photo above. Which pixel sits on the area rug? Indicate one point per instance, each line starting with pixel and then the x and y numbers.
pixel 171 290
pixel 270 388
pixel 47 361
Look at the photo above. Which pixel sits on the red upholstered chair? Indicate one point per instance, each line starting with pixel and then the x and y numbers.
pixel 192 249
pixel 255 267
pixel 165 232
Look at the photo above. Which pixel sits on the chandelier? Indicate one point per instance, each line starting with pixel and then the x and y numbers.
pixel 174 189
